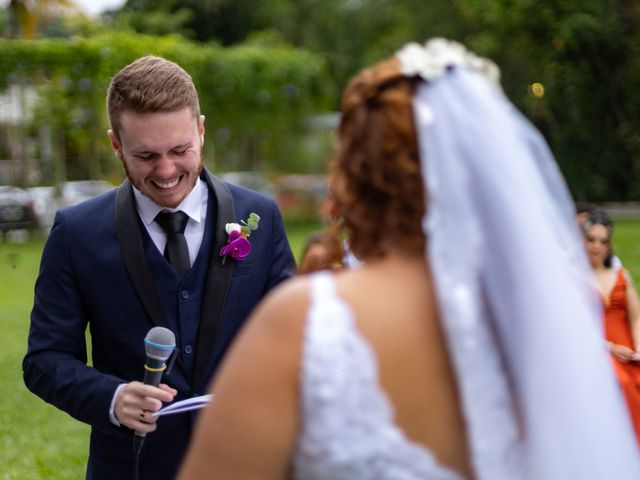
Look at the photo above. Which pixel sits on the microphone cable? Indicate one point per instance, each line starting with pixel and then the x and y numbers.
pixel 138 442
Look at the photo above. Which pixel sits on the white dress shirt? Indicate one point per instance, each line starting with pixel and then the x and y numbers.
pixel 194 205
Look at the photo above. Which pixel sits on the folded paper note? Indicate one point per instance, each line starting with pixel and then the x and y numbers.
pixel 192 403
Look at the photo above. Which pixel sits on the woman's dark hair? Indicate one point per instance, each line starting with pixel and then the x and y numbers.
pixel 376 179
pixel 584 207
pixel 601 217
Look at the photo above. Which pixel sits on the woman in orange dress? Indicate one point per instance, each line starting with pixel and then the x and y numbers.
pixel 621 309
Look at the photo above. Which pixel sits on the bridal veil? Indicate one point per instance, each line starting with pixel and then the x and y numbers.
pixel 523 324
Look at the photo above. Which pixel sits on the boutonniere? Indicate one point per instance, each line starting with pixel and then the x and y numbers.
pixel 238 246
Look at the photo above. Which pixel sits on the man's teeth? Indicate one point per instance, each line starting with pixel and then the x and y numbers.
pixel 167 185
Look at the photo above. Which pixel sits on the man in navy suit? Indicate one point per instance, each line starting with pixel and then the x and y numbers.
pixel 103 266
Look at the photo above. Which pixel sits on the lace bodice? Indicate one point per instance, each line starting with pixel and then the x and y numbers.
pixel 348 431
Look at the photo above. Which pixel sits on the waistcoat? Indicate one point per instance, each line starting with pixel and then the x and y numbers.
pixel 181 298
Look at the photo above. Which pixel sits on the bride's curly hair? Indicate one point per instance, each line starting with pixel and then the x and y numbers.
pixel 376 180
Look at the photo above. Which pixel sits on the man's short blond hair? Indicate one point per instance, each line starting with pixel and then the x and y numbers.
pixel 150 84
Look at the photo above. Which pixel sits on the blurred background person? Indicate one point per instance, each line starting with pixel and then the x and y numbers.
pixel 583 209
pixel 323 250
pixel 621 309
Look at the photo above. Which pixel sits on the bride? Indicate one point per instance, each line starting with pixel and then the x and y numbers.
pixel 467 345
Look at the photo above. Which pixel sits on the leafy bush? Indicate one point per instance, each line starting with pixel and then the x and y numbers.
pixel 255 96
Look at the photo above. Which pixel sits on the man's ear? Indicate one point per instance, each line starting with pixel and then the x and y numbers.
pixel 115 144
pixel 201 129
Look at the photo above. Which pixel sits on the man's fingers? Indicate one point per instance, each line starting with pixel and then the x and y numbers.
pixel 147 417
pixel 140 420
pixel 136 401
pixel 143 427
pixel 137 404
pixel 163 392
pixel 137 393
pixel 167 388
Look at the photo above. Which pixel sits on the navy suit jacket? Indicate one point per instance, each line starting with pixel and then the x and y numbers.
pixel 94 272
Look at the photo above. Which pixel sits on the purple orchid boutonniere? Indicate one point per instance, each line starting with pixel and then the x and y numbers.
pixel 238 246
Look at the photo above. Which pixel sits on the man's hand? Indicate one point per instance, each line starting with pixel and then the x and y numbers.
pixel 136 401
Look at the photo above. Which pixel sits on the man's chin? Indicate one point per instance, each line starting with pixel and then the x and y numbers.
pixel 170 201
pixel 162 199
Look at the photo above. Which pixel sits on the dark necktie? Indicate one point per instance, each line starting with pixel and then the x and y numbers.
pixel 176 251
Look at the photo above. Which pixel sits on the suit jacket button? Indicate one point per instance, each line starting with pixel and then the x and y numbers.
pixel 184 294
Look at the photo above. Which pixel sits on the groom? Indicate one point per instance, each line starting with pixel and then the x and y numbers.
pixel 103 266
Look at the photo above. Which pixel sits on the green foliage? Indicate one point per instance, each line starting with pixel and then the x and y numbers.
pixel 256 95
pixel 586 54
pixel 349 34
pixel 250 224
pixel 159 22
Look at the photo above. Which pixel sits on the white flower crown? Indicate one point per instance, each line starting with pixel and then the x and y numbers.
pixel 431 60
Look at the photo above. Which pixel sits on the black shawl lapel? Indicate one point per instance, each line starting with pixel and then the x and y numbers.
pixel 130 239
pixel 218 280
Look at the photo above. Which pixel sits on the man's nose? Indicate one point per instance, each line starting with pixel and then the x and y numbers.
pixel 164 165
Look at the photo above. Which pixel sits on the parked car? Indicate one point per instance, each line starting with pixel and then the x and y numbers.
pixel 77 191
pixel 45 204
pixel 252 180
pixel 16 209
pixel 301 195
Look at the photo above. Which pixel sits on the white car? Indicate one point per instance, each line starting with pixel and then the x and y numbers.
pixel 16 212
pixel 78 191
pixel 45 202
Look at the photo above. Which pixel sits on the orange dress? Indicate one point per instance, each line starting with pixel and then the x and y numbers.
pixel 618 331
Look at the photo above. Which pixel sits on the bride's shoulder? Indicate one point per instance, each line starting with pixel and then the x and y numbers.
pixel 287 303
pixel 287 306
pixel 297 291
pixel 290 295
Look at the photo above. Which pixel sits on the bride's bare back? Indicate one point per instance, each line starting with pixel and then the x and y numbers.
pixel 396 312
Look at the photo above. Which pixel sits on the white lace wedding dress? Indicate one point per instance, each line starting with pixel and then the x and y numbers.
pixel 348 431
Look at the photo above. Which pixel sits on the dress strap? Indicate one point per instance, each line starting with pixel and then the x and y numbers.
pixel 323 286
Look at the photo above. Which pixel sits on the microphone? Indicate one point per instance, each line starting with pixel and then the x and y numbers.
pixel 159 345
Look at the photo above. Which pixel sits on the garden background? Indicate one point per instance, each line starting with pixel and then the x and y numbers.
pixel 269 74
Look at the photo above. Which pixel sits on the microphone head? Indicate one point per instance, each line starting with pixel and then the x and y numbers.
pixel 159 343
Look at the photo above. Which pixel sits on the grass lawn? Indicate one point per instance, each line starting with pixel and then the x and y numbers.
pixel 39 442
pixel 626 245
